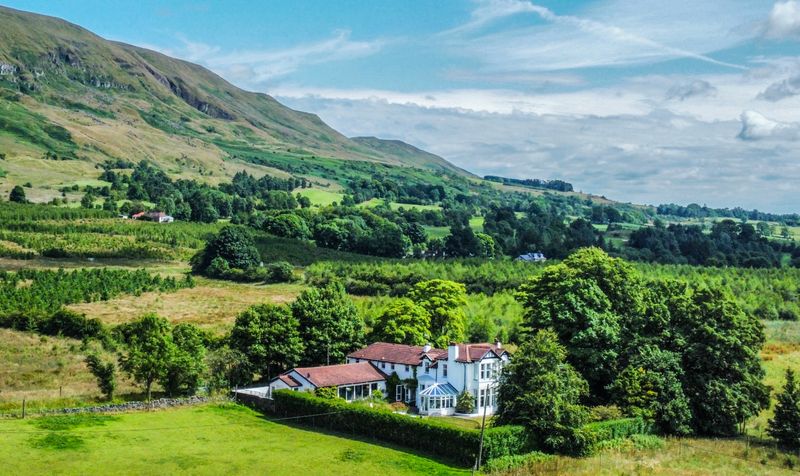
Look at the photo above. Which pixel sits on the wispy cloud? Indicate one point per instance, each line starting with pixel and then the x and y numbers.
pixel 690 89
pixel 257 66
pixel 568 41
pixel 786 88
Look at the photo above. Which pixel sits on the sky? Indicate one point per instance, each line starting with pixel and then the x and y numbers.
pixel 643 101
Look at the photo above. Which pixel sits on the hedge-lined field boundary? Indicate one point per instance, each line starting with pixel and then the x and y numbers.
pixel 456 444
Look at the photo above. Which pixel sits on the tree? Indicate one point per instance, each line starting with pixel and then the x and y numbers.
pixel 228 368
pixel 234 245
pixel 105 373
pixel 465 402
pixel 329 323
pixel 444 302
pixel 719 346
pixel 17 195
pixel 288 225
pixel 462 242
pixel 586 300
pixel 187 364
pixel 785 425
pixel 541 391
pixel 650 387
pixel 269 337
pixel 150 350
pixel 87 201
pixel 403 322
pixel 487 247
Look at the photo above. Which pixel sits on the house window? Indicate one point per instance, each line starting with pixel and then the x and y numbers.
pixel 444 370
pixel 383 365
pixel 427 367
pixel 392 366
pixel 407 369
pixel 488 370
pixel 373 387
pixel 399 393
pixel 487 397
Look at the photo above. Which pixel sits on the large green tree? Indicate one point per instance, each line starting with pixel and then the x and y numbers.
pixel 444 302
pixel 785 425
pixel 330 325
pixel 149 350
pixel 269 336
pixel 232 244
pixel 17 195
pixel 586 300
pixel 403 322
pixel 541 391
pixel 187 365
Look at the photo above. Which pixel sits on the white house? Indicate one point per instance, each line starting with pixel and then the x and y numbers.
pixel 352 381
pixel 433 378
pixel 532 257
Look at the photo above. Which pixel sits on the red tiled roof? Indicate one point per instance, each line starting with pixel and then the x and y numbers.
pixel 473 352
pixel 289 380
pixel 397 353
pixel 343 374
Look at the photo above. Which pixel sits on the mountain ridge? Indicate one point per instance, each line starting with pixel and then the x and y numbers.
pixel 66 92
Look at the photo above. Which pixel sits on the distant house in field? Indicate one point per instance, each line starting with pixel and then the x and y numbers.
pixel 352 381
pixel 159 217
pixel 532 257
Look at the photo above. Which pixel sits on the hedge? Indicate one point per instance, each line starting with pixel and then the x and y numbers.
pixel 457 444
pixel 621 428
pixel 506 463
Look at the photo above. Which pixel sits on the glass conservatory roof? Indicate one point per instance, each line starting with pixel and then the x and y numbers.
pixel 439 390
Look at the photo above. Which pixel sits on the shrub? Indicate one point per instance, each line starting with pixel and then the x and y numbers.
pixel 328 393
pixel 457 444
pixel 280 272
pixel 509 462
pixel 465 403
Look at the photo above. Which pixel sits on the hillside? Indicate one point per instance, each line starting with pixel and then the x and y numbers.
pixel 68 94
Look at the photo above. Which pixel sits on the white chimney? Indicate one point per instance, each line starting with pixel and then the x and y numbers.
pixel 426 348
pixel 498 344
pixel 452 351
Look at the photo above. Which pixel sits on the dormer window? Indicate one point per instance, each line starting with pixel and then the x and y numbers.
pixel 444 370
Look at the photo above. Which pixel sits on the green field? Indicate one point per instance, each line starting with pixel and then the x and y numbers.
pixel 320 197
pixel 210 439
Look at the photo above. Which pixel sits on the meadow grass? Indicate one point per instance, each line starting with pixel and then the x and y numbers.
pixel 212 304
pixel 210 439
pixel 320 197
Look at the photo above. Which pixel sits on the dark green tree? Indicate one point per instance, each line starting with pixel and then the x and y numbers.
pixel 234 245
pixel 330 325
pixel 784 426
pixel 104 372
pixel 269 336
pixel 149 350
pixel 541 391
pixel 187 365
pixel 17 195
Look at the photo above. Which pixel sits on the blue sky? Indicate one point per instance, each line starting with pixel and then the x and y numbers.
pixel 644 101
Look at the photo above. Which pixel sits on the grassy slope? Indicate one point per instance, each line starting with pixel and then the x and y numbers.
pixel 200 440
pixel 84 97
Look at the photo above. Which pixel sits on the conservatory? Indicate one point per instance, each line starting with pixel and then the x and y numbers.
pixel 438 399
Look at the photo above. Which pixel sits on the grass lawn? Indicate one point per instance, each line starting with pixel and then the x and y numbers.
pixel 213 304
pixel 211 439
pixel 687 456
pixel 321 197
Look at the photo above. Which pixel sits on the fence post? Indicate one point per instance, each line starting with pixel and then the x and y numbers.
pixel 23 408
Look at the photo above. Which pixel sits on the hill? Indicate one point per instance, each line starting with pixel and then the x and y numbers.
pixel 68 94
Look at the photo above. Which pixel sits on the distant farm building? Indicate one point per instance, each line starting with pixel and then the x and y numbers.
pixel 532 257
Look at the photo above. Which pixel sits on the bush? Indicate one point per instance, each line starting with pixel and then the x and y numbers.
pixel 280 272
pixel 620 428
pixel 465 403
pixel 457 444
pixel 506 463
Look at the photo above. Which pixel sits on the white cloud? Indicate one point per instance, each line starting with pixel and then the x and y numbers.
pixel 653 157
pixel 784 20
pixel 787 88
pixel 690 89
pixel 755 126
